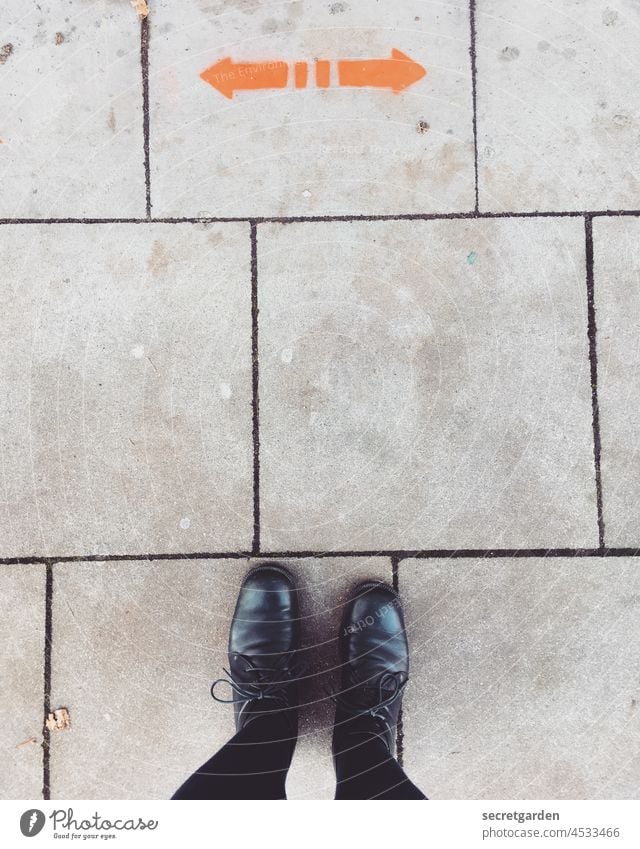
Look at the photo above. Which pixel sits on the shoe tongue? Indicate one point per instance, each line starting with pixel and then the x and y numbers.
pixel 366 696
pixel 373 693
pixel 263 661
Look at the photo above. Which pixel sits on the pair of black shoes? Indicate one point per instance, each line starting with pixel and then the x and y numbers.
pixel 264 643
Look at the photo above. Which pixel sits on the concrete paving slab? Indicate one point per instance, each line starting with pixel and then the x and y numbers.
pixel 617 298
pixel 231 147
pixel 21 670
pixel 524 681
pixel 425 385
pixel 558 104
pixel 71 138
pixel 136 647
pixel 125 373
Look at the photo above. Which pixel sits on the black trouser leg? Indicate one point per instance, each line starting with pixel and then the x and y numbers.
pixel 252 765
pixel 366 770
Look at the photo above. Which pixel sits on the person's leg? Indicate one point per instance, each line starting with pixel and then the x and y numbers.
pixel 374 657
pixel 263 642
pixel 365 769
pixel 252 765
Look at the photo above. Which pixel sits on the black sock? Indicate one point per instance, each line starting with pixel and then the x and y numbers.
pixel 252 765
pixel 366 770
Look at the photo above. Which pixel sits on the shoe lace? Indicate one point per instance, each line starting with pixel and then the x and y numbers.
pixel 384 695
pixel 270 683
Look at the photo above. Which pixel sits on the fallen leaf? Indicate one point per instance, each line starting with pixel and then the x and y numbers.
pixel 27 741
pixel 59 720
pixel 141 7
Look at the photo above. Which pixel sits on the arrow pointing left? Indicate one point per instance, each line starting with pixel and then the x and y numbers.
pixel 228 76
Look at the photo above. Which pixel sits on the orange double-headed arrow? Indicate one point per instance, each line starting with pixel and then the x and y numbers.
pixel 396 73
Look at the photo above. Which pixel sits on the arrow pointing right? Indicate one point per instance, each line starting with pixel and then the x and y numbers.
pixel 396 73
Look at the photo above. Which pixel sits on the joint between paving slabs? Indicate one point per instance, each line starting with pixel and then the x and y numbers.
pixel 48 637
pixel 593 365
pixel 472 55
pixel 144 62
pixel 255 384
pixel 470 215
pixel 417 554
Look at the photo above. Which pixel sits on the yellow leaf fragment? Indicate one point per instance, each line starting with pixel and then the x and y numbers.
pixel 141 7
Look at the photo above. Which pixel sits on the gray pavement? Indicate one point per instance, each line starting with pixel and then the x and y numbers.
pixel 274 308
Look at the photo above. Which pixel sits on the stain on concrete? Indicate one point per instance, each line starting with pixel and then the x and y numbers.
pixel 247 7
pixel 414 171
pixel 449 161
pixel 337 8
pixel 546 47
pixel 5 51
pixel 272 25
pixel 59 38
pixel 296 10
pixel 603 125
pixel 610 17
pixel 158 262
pixel 508 54
pixel 621 120
pixel 111 120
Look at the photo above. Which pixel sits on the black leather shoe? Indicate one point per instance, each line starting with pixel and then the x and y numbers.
pixel 263 641
pixel 374 662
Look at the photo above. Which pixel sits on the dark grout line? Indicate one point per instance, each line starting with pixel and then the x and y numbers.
pixel 472 54
pixel 394 573
pixel 130 220
pixel 255 397
pixel 144 61
pixel 593 363
pixel 48 636
pixel 115 558
pixel 311 219
pixel 398 554
pixel 442 216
